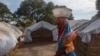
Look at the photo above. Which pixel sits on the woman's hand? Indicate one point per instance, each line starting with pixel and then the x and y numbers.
pixel 67 39
pixel 70 37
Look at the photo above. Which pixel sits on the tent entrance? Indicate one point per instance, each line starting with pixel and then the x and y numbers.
pixel 42 35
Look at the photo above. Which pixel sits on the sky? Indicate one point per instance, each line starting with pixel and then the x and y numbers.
pixel 82 9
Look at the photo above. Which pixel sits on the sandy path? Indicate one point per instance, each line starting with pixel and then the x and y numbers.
pixel 39 49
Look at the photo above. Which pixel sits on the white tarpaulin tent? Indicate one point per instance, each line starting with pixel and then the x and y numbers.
pixel 77 23
pixel 38 25
pixel 85 31
pixel 8 37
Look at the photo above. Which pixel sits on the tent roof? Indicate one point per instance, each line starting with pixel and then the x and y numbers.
pixel 91 27
pixel 77 23
pixel 38 25
pixel 41 24
pixel 8 37
pixel 10 28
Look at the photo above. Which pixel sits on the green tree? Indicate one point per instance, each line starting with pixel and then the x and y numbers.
pixel 71 17
pixel 48 13
pixel 28 22
pixel 35 9
pixel 4 11
pixel 49 7
pixel 98 5
pixel 28 6
pixel 98 10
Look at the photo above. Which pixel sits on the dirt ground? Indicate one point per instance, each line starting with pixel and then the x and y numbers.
pixel 36 49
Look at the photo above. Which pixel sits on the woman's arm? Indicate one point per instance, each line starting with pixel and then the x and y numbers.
pixel 70 37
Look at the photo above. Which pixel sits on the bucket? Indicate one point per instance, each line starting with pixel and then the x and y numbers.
pixel 61 12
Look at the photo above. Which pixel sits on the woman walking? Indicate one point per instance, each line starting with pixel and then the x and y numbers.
pixel 65 34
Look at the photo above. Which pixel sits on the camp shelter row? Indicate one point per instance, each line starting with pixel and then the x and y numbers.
pixel 43 31
pixel 86 44
pixel 39 32
pixel 88 41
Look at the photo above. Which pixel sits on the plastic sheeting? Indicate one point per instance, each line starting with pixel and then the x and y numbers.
pixel 92 28
pixel 38 25
pixel 77 23
pixel 8 37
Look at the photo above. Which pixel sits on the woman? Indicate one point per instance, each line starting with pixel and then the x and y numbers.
pixel 65 34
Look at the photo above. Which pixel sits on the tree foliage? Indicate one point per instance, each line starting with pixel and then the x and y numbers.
pixel 4 12
pixel 28 6
pixel 98 5
pixel 4 9
pixel 98 9
pixel 37 10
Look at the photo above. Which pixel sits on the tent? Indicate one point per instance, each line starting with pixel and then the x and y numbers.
pixel 77 23
pixel 91 27
pixel 35 27
pixel 88 41
pixel 8 37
